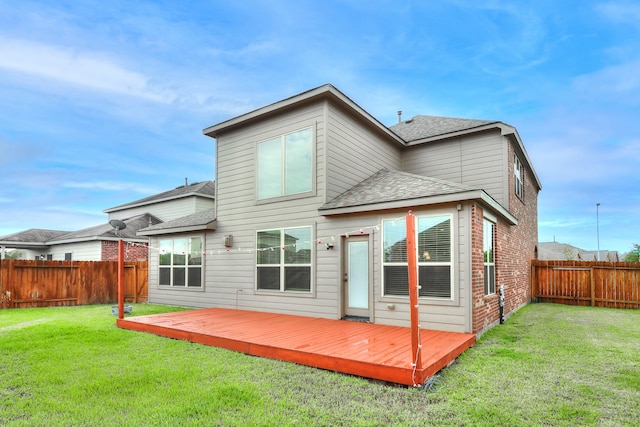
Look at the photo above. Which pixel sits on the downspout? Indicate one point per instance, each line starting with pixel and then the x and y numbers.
pixel 501 304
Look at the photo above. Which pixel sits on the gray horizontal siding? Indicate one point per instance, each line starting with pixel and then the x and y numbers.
pixel 477 161
pixel 230 277
pixel 346 152
pixel 354 153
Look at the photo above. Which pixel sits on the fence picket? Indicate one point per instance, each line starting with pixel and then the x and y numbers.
pixel 595 283
pixel 31 283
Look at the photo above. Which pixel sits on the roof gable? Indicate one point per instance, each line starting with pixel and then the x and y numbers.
pixel 203 220
pixel 327 91
pixel 199 189
pixel 424 129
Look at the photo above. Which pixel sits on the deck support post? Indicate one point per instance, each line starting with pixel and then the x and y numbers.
pixel 120 279
pixel 416 346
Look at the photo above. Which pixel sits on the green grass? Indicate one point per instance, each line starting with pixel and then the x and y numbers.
pixel 548 365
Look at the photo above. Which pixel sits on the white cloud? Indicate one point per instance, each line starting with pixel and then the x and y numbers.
pixel 624 12
pixel 90 70
pixel 620 83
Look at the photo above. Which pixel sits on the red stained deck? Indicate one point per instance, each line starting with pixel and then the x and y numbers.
pixel 363 349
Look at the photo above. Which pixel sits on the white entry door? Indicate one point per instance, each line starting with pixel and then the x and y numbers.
pixel 357 283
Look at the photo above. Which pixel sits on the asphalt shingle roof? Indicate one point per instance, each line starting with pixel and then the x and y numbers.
pixel 565 251
pixel 201 218
pixel 33 235
pixel 420 127
pixel 389 185
pixel 134 224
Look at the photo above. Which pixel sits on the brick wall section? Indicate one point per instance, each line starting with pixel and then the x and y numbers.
pixel 521 240
pixel 132 251
pixel 484 308
pixel 515 246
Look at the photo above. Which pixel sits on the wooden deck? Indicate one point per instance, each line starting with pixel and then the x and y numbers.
pixel 363 349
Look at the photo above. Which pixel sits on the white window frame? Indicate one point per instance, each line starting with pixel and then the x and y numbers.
pixel 489 263
pixel 283 265
pixel 422 261
pixel 187 266
pixel 518 174
pixel 284 192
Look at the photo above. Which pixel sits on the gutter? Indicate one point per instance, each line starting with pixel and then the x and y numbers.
pixel 478 195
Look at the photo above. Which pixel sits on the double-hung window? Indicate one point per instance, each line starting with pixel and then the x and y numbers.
pixel 285 165
pixel 488 234
pixel 283 260
pixel 518 177
pixel 180 262
pixel 434 254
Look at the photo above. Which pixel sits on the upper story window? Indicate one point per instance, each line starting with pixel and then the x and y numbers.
pixel 488 234
pixel 435 263
pixel 285 165
pixel 518 172
pixel 180 262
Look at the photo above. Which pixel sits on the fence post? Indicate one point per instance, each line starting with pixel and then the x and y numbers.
pixel 593 287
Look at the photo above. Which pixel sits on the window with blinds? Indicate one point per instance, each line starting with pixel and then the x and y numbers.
pixel 434 255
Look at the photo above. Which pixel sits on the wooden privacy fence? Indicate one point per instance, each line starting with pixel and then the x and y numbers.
pixel 52 283
pixel 600 284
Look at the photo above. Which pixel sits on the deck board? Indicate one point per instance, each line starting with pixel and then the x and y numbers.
pixel 369 350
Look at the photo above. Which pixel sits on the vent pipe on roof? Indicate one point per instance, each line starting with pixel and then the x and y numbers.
pixel 186 181
pixel 399 116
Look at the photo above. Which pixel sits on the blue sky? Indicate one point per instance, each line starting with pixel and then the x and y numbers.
pixel 102 103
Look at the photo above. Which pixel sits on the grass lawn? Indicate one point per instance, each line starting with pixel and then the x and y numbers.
pixel 548 365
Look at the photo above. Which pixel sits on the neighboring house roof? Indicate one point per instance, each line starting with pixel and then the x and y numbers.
pixel 30 239
pixel 203 220
pixel 564 251
pixel 107 231
pixel 202 189
pixel 389 189
pixel 41 239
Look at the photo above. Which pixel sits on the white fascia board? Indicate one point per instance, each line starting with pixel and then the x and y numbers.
pixel 157 201
pixel 95 239
pixel 24 245
pixel 176 230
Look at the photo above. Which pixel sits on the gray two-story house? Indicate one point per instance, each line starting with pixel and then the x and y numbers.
pixel 311 198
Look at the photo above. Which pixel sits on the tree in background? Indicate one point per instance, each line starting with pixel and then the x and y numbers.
pixel 633 256
pixel 13 254
pixel 568 253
